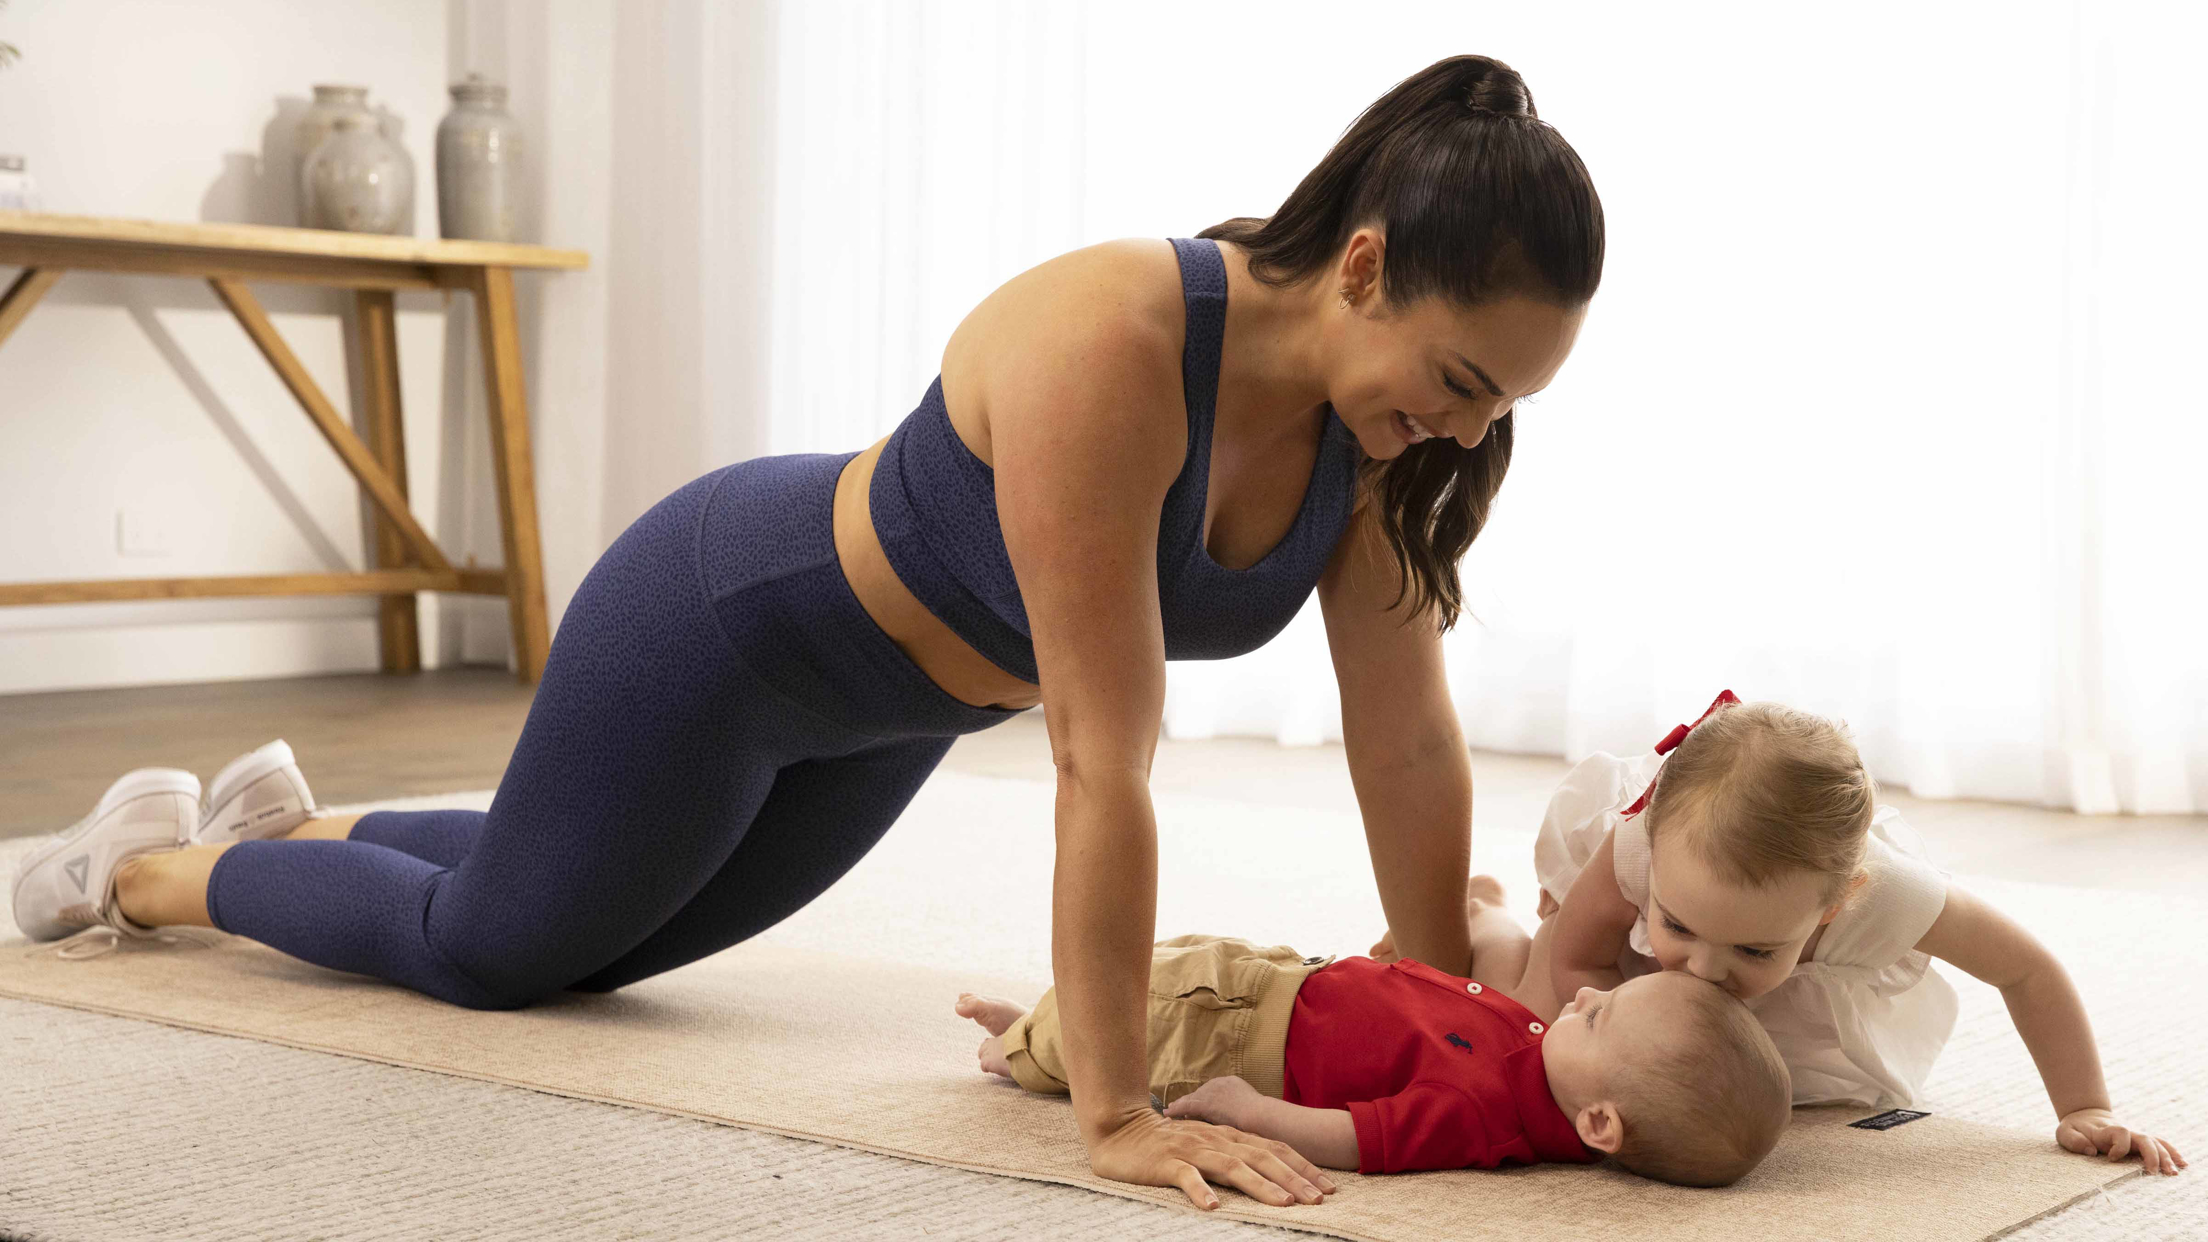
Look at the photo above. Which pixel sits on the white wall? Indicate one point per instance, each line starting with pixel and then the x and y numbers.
pixel 649 138
pixel 141 396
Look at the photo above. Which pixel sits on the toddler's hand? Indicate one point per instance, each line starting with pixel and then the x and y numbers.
pixel 1221 1101
pixel 2095 1132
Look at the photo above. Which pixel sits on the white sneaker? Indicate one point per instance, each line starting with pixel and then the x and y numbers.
pixel 256 795
pixel 70 884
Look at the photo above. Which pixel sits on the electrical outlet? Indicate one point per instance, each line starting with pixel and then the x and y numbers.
pixel 139 532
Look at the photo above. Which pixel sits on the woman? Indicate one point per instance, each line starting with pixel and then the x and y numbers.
pixel 1136 451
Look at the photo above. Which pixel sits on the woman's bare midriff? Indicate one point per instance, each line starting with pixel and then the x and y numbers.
pixel 963 673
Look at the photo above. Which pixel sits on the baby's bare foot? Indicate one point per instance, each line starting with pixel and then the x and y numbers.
pixel 993 1013
pixel 991 1054
pixel 1485 888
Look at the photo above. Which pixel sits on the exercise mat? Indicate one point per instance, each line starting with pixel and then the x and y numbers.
pixel 868 1054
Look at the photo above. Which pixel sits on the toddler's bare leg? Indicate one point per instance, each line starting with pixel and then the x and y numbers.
pixel 1537 990
pixel 1500 946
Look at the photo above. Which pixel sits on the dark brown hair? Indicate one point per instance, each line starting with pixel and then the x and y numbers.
pixel 1479 199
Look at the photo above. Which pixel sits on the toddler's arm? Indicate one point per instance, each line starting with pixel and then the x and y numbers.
pixel 2050 1018
pixel 1325 1136
pixel 1591 927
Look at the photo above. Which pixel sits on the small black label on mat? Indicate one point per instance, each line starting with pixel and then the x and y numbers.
pixel 1888 1119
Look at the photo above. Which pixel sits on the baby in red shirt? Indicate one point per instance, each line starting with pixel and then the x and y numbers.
pixel 1391 1067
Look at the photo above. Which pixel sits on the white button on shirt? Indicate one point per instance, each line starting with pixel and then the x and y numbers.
pixel 1473 988
pixel 1535 1027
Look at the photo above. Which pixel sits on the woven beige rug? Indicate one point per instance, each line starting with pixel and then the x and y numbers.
pixel 117 1129
pixel 868 1055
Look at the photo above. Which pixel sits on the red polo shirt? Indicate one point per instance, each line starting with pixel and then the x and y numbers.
pixel 1438 1072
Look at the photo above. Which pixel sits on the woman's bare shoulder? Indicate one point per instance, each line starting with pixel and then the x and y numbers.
pixel 1106 319
pixel 1132 283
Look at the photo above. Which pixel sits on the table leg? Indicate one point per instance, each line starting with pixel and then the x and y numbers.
pixel 398 620
pixel 517 487
pixel 23 295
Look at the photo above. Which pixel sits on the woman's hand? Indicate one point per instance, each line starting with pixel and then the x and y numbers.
pixel 2095 1132
pixel 1149 1150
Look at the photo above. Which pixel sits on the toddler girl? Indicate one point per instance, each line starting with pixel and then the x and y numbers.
pixel 1757 857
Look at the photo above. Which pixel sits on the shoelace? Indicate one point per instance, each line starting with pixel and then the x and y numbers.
pixel 99 940
pixel 106 928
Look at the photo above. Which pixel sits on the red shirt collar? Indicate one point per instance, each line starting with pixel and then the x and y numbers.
pixel 1526 1073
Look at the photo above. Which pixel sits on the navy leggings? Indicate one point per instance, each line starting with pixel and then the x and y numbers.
pixel 721 733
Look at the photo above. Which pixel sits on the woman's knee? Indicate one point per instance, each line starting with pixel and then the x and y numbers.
pixel 459 987
pixel 487 979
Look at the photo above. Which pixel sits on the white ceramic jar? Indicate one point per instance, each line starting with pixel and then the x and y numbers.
pixel 478 162
pixel 357 179
pixel 315 127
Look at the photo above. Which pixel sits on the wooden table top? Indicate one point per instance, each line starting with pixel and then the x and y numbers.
pixel 271 240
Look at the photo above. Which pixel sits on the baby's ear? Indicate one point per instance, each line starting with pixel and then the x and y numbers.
pixel 1599 1127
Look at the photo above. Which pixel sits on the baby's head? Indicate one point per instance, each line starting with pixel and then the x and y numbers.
pixel 1756 831
pixel 1672 1077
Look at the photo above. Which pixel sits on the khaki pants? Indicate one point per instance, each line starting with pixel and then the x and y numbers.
pixel 1217 1007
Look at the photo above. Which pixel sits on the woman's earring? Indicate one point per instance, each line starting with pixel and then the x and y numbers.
pixel 1347 301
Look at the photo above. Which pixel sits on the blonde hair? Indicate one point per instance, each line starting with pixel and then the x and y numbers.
pixel 1762 791
pixel 1704 1108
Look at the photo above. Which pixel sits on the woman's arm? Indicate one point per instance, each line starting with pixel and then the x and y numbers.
pixel 1407 757
pixel 2051 1020
pixel 1592 925
pixel 1083 402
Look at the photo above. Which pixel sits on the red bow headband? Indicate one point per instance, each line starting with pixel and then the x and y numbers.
pixel 1671 741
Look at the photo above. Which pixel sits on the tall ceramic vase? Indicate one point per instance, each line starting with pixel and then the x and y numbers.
pixel 320 121
pixel 357 179
pixel 478 159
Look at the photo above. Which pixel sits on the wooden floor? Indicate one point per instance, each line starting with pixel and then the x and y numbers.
pixel 358 737
pixel 367 737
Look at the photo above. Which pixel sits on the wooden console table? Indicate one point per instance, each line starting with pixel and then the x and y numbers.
pixel 227 256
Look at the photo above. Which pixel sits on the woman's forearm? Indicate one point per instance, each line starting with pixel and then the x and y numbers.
pixel 1417 810
pixel 2051 1020
pixel 1103 923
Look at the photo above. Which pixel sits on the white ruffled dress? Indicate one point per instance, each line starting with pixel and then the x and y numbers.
pixel 1863 1020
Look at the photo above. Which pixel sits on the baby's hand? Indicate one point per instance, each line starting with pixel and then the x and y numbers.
pixel 2094 1132
pixel 1221 1101
pixel 1480 891
pixel 1384 952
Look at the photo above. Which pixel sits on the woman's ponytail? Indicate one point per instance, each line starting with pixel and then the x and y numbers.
pixel 1478 199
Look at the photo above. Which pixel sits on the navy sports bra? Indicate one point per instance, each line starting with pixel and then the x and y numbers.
pixel 934 506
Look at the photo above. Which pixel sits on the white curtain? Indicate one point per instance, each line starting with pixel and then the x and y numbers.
pixel 648 141
pixel 925 154
pixel 1883 409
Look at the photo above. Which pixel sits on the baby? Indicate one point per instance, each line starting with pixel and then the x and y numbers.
pixel 1387 1068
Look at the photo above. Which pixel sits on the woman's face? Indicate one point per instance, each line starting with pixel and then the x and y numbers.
pixel 1407 374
